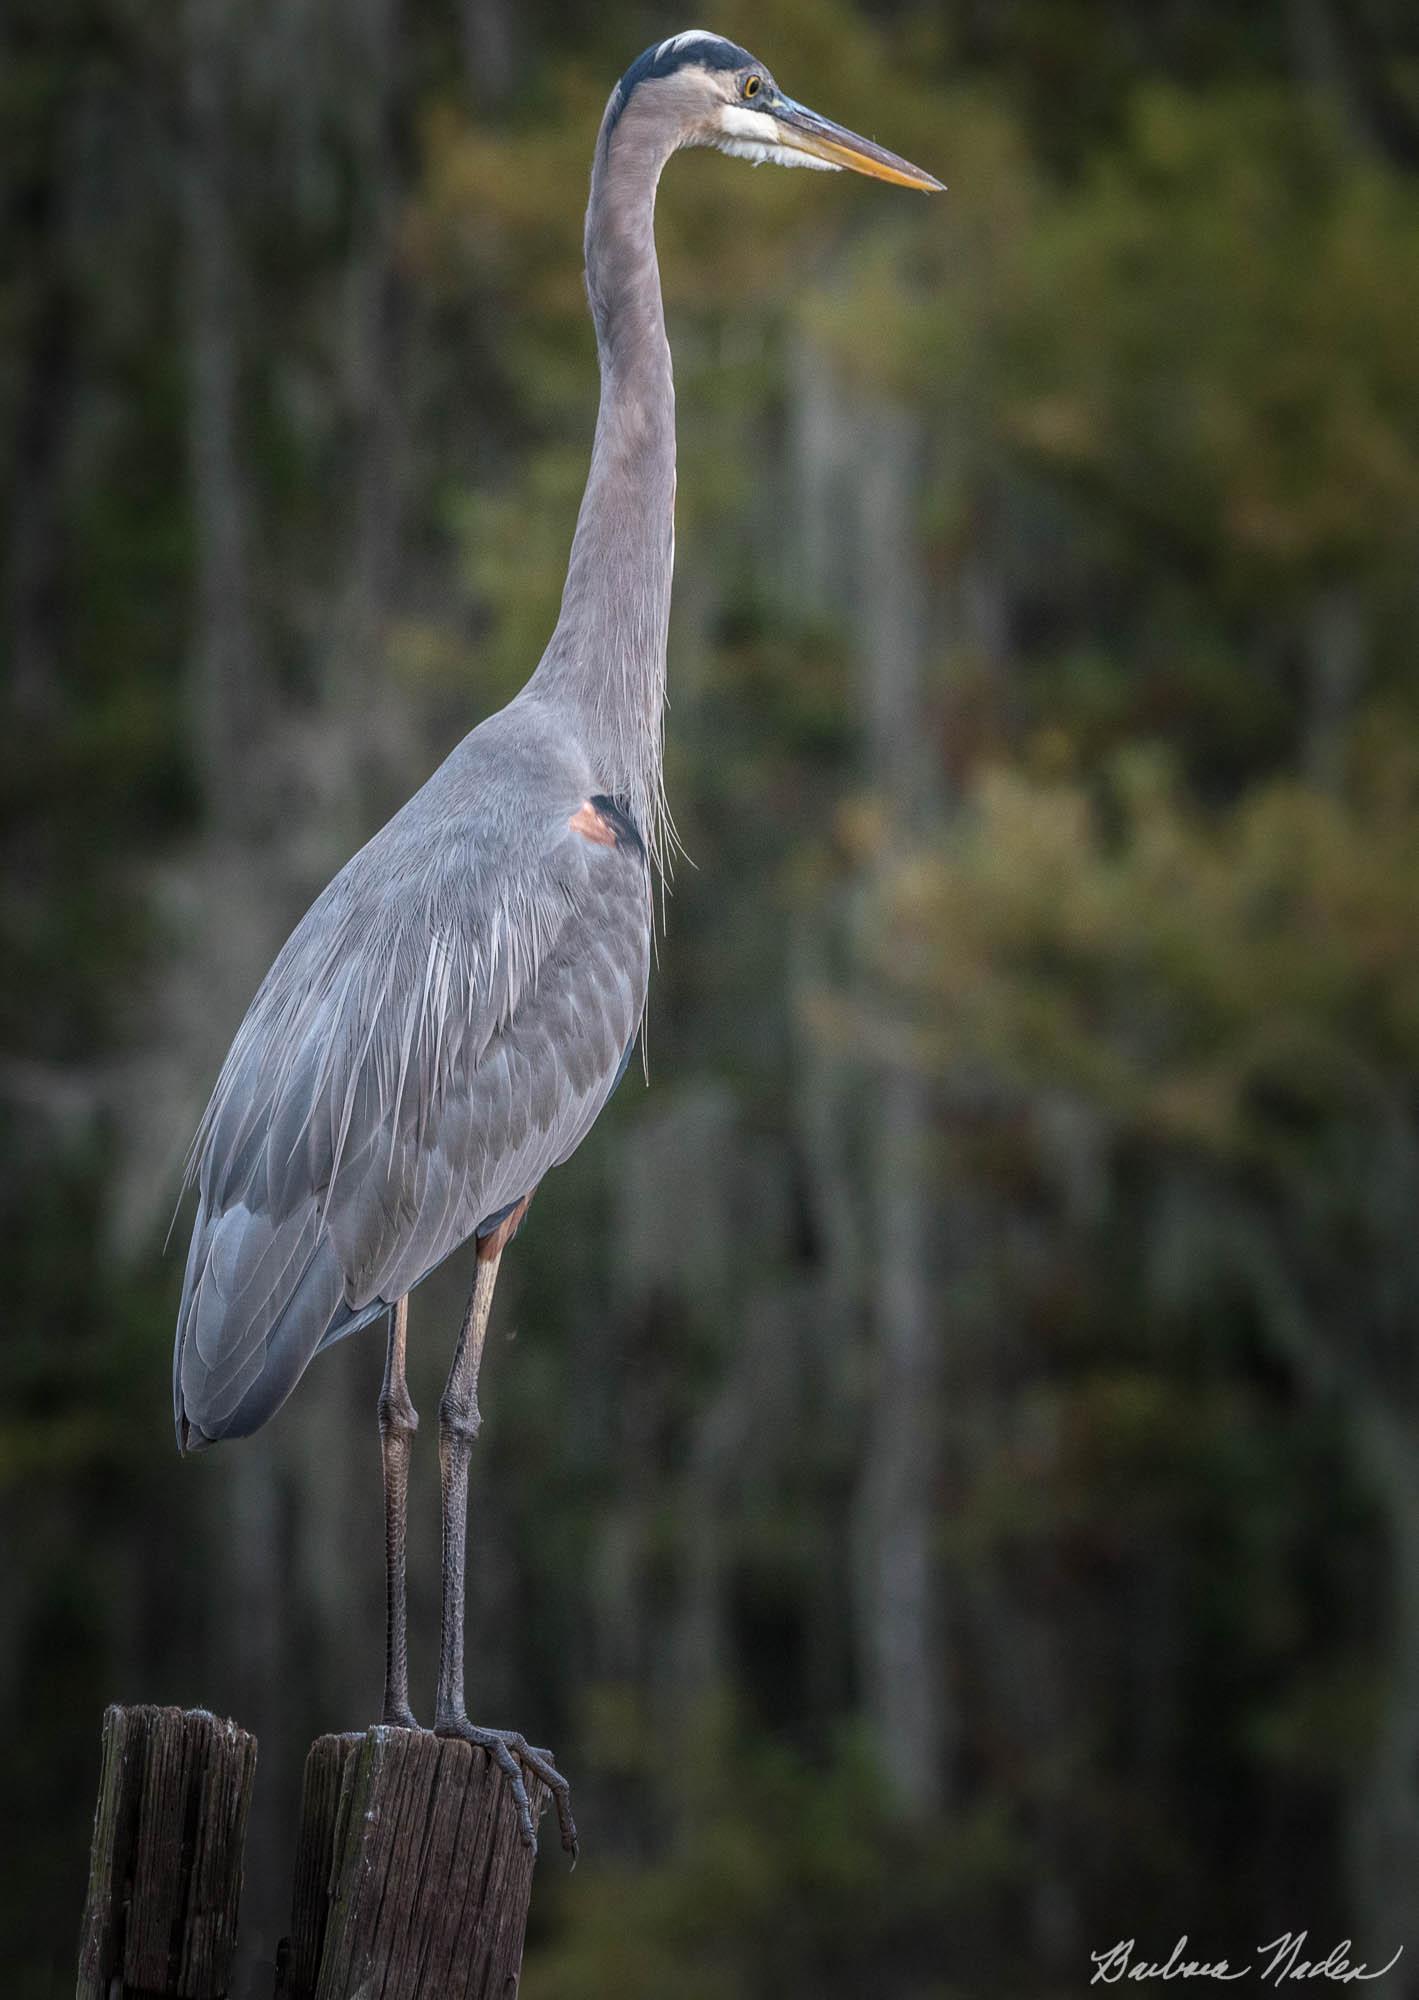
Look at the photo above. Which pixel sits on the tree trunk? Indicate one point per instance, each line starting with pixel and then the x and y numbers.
pixel 1383 1835
pixel 899 1626
pixel 223 690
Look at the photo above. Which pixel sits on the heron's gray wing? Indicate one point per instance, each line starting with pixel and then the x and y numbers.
pixel 491 1115
pixel 261 1290
pixel 423 1050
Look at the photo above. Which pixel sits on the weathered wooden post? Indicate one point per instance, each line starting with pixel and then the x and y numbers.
pixel 298 1960
pixel 165 1865
pixel 412 1881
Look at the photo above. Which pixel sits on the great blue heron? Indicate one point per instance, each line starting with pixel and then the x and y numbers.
pixel 449 1017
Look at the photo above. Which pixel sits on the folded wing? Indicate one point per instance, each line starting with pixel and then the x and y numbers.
pixel 419 1056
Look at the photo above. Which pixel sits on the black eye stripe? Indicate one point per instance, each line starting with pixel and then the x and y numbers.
pixel 709 51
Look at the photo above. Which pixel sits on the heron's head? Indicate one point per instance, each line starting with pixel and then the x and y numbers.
pixel 702 90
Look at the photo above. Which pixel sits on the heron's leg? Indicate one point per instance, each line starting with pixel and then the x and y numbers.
pixel 459 1421
pixel 398 1421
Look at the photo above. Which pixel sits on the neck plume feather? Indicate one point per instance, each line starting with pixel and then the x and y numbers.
pixel 606 658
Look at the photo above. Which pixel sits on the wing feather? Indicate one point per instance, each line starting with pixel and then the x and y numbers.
pixel 418 1057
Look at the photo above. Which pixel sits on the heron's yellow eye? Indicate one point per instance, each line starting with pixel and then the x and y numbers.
pixel 753 85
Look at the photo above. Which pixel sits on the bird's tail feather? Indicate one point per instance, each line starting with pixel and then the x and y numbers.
pixel 212 1404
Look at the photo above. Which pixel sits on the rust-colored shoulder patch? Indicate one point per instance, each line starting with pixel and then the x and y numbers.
pixel 592 825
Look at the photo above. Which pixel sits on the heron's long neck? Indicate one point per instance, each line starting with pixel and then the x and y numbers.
pixel 606 659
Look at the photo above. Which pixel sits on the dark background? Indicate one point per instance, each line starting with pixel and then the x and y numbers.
pixel 949 1488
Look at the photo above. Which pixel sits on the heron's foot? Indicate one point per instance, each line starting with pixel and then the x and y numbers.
pixel 513 1754
pixel 395 1717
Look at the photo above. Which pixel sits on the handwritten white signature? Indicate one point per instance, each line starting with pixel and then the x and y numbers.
pixel 1284 1958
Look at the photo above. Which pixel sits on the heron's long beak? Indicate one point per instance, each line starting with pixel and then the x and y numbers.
pixel 805 132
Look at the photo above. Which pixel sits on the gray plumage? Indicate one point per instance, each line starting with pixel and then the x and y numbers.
pixel 448 1019
pixel 441 1029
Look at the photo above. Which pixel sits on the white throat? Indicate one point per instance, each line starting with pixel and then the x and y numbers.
pixel 754 135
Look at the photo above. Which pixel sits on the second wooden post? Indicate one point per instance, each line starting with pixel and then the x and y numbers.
pixel 412 1880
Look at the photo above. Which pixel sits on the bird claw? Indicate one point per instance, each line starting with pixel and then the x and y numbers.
pixel 511 1752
